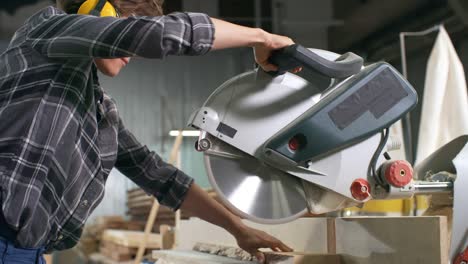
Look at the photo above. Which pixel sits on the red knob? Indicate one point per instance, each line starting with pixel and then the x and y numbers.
pixel 398 173
pixel 294 144
pixel 462 258
pixel 360 189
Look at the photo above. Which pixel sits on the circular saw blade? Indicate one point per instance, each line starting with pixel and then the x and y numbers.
pixel 251 188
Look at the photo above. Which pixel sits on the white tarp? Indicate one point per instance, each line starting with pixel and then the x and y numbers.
pixel 444 114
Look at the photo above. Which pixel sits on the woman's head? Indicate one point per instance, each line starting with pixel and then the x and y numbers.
pixel 112 67
pixel 124 7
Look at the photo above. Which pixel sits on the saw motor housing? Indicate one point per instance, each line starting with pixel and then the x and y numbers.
pixel 331 138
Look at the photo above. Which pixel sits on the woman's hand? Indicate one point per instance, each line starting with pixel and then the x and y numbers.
pixel 228 35
pixel 200 204
pixel 264 49
pixel 251 240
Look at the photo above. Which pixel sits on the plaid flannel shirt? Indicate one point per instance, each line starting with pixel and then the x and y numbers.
pixel 60 134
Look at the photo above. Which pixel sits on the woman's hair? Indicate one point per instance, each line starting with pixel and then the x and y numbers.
pixel 124 7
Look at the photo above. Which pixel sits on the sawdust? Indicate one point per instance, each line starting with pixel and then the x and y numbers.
pixel 230 252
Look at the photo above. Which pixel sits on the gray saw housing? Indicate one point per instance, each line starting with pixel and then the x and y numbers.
pixel 321 135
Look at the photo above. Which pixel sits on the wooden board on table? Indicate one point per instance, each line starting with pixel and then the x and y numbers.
pixel 193 257
pixel 387 240
pixel 224 251
pixel 270 257
pixel 131 238
pixel 365 240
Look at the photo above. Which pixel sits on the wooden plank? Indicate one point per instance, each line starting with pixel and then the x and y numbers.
pixel 131 238
pixel 109 220
pixel 387 240
pixel 157 225
pixel 225 251
pixel 445 233
pixel 135 225
pixel 193 257
pixel 270 257
pixel 301 258
pixel 139 211
pixel 331 236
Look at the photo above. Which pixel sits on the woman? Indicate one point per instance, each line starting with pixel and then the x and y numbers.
pixel 61 134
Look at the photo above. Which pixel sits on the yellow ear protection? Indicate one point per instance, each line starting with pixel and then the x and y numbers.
pixel 100 8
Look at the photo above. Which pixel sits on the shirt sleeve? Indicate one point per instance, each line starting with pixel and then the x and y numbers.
pixel 75 36
pixel 156 177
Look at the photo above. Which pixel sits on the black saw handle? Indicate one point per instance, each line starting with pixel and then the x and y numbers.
pixel 296 55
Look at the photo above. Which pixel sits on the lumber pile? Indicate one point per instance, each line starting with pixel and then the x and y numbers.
pixel 122 245
pixel 114 239
pixel 139 206
pixel 91 237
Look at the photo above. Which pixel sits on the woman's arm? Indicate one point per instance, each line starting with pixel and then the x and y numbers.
pixel 59 35
pixel 175 189
pixel 56 34
pixel 200 204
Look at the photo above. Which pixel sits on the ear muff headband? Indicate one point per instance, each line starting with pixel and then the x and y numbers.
pixel 100 8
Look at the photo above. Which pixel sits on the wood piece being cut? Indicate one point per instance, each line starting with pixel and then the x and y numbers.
pixel 220 250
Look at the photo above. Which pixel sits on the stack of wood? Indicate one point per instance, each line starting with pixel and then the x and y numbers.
pixel 139 206
pixel 122 245
pixel 91 240
pixel 92 233
pixel 110 222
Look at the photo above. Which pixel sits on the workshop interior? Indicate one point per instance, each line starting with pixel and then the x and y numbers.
pixel 361 157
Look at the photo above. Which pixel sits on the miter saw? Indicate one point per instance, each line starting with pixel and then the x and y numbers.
pixel 278 145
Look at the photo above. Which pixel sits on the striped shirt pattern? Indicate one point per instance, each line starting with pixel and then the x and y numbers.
pixel 60 133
